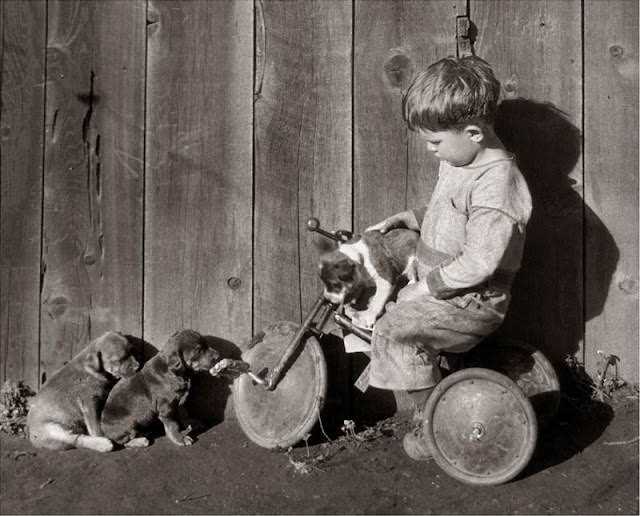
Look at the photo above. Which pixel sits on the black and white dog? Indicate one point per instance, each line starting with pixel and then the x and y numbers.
pixel 363 272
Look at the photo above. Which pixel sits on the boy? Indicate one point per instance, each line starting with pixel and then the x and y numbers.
pixel 471 234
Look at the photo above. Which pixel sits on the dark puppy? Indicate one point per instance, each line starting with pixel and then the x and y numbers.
pixel 373 262
pixel 68 405
pixel 157 391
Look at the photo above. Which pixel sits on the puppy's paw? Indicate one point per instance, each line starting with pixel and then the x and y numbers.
pixel 181 440
pixel 138 442
pixel 100 444
pixel 365 320
pixel 350 312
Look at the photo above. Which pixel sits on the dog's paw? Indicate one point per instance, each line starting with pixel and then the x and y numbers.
pixel 181 440
pixel 101 444
pixel 365 320
pixel 350 312
pixel 138 442
pixel 229 367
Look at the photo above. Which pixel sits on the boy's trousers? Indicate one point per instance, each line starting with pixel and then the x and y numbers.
pixel 409 336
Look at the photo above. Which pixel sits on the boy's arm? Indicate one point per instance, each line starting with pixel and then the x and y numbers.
pixel 492 236
pixel 495 233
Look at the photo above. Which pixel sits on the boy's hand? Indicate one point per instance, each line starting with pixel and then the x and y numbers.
pixel 392 222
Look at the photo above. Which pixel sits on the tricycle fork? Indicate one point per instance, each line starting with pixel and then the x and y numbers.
pixel 320 306
pixel 320 313
pixel 323 307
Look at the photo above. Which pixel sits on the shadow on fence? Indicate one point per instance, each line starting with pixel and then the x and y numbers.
pixel 549 308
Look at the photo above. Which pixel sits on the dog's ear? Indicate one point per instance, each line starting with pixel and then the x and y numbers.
pixel 346 270
pixel 325 245
pixel 93 363
pixel 175 363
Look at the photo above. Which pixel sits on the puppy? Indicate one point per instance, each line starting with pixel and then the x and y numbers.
pixel 68 405
pixel 157 391
pixel 364 272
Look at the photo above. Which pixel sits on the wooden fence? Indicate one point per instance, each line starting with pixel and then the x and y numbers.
pixel 160 158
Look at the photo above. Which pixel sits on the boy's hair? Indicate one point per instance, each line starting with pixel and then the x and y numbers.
pixel 451 93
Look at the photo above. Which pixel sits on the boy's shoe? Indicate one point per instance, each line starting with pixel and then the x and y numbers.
pixel 415 445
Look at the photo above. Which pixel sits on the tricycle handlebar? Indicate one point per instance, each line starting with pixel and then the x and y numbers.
pixel 341 235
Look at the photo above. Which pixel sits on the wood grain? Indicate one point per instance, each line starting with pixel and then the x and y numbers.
pixel 393 171
pixel 393 42
pixel 527 43
pixel 198 260
pixel 22 51
pixel 302 148
pixel 98 234
pixel 93 180
pixel 611 184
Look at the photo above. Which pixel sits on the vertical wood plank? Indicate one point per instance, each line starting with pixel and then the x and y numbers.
pixel 611 183
pixel 93 175
pixel 302 147
pixel 392 169
pixel 199 182
pixel 22 40
pixel 393 42
pixel 528 43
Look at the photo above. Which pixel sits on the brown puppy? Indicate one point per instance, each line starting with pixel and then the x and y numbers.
pixel 68 405
pixel 157 391
pixel 363 272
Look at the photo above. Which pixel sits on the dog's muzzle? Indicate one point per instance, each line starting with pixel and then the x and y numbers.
pixel 335 298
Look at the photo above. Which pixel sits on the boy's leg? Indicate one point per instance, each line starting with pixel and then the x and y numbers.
pixel 419 398
pixel 409 337
pixel 405 347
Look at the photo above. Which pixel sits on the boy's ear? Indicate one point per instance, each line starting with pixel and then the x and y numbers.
pixel 474 132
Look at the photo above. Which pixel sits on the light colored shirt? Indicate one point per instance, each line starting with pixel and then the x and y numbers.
pixel 473 229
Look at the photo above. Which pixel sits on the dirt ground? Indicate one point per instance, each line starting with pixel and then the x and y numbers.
pixel 586 462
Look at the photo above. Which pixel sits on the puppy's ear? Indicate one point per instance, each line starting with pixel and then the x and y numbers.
pixel 93 363
pixel 325 245
pixel 175 363
pixel 346 271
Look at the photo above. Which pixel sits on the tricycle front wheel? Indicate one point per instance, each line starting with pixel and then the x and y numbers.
pixel 284 416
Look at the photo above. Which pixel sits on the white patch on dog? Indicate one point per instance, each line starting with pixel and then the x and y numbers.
pixel 359 253
pixel 411 270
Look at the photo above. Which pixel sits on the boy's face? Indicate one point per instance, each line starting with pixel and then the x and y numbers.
pixel 458 147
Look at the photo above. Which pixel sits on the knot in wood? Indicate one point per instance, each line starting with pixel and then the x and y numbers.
pixel 57 306
pixel 628 286
pixel 234 283
pixel 399 70
pixel 616 51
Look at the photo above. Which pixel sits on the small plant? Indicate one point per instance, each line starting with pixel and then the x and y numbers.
pixel 349 429
pixel 350 442
pixel 602 387
pixel 607 384
pixel 14 406
pixel 301 467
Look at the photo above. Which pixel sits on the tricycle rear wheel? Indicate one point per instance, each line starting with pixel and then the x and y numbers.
pixel 480 426
pixel 527 367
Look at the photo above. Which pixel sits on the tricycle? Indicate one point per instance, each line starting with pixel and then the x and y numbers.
pixel 481 421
